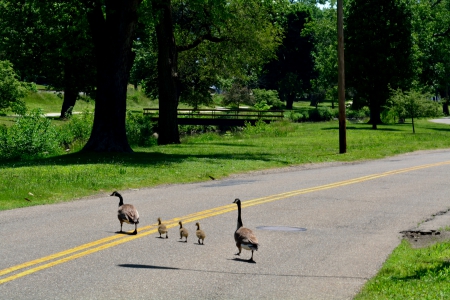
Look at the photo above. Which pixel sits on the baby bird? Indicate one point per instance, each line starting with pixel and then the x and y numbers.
pixel 200 234
pixel 183 232
pixel 162 229
pixel 126 213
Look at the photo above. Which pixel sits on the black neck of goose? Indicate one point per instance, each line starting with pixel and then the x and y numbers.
pixel 239 220
pixel 120 200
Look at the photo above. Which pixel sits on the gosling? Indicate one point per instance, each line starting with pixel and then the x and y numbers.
pixel 183 232
pixel 162 229
pixel 200 234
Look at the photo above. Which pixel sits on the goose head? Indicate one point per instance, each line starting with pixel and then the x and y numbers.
pixel 115 193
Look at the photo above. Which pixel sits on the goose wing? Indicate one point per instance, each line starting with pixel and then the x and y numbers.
pixel 245 236
pixel 128 213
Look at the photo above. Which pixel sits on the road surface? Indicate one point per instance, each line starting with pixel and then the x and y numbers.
pixel 324 230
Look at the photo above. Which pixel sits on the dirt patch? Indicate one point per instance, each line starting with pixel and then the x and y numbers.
pixel 425 238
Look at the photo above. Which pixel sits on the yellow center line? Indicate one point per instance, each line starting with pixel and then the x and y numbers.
pixel 115 240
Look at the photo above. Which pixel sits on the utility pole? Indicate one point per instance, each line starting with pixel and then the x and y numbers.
pixel 341 79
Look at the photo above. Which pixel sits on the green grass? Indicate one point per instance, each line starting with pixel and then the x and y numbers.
pixel 75 175
pixel 412 274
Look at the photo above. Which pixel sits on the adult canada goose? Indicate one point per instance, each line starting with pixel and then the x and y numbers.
pixel 200 234
pixel 162 228
pixel 244 237
pixel 126 213
pixel 183 232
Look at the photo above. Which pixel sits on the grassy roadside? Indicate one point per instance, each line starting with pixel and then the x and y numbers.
pixel 75 175
pixel 412 274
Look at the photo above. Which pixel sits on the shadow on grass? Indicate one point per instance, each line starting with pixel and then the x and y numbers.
pixel 366 128
pixel 423 272
pixel 129 159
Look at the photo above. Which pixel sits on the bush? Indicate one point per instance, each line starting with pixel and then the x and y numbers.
pixel 237 95
pixel 32 135
pixel 410 104
pixel 267 99
pixel 321 114
pixel 294 116
pixel 358 114
pixel 77 129
pixel 11 89
pixel 140 130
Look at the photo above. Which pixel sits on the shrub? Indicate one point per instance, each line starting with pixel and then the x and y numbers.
pixel 294 116
pixel 32 135
pixel 321 114
pixel 236 95
pixel 268 99
pixel 77 129
pixel 140 130
pixel 11 89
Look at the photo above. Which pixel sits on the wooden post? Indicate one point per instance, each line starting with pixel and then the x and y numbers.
pixel 341 79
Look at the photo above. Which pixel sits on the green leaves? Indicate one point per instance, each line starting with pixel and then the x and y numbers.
pixel 11 89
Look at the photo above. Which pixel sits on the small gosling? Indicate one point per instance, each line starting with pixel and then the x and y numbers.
pixel 200 234
pixel 162 229
pixel 183 232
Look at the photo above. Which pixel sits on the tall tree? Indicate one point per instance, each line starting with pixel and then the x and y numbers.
pixel 431 24
pixel 293 69
pixel 241 27
pixel 378 51
pixel 112 24
pixel 49 41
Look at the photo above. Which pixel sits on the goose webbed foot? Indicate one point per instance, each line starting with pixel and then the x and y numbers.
pixel 134 232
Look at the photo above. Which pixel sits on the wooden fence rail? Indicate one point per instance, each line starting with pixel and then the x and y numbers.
pixel 229 117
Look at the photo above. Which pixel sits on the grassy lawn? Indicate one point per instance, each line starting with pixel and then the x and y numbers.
pixel 412 274
pixel 282 144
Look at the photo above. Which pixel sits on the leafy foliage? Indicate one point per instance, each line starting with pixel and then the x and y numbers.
pixel 267 99
pixel 32 135
pixel 378 51
pixel 237 95
pixel 290 73
pixel 140 130
pixel 11 89
pixel 411 104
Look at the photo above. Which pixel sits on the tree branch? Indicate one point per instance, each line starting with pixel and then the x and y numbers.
pixel 205 37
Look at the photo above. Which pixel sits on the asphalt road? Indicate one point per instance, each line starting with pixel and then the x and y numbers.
pixel 339 222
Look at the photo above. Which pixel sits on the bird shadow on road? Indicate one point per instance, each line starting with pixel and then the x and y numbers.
pixel 243 260
pixel 137 266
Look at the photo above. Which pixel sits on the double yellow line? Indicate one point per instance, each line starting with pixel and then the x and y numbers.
pixel 108 242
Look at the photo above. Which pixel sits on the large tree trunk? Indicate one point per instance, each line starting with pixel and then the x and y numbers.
pixel 290 100
pixel 167 74
pixel 112 41
pixel 375 114
pixel 70 91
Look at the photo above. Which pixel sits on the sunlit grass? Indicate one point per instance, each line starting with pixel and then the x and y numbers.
pixel 282 144
pixel 412 274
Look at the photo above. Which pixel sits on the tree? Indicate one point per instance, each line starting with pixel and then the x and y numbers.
pixel 412 104
pixel 431 24
pixel 378 52
pixel 112 24
pixel 241 27
pixel 11 89
pixel 49 41
pixel 293 69
pixel 324 30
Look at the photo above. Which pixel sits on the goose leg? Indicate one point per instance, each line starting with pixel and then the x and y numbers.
pixel 121 224
pixel 251 258
pixel 166 236
pixel 240 250
pixel 135 229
